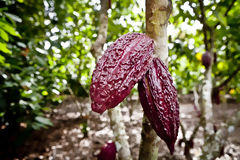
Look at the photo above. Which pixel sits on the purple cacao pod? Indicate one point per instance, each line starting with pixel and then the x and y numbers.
pixel 206 59
pixel 119 69
pixel 108 152
pixel 158 97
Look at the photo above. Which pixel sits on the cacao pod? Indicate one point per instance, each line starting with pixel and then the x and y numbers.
pixel 119 69
pixel 108 152
pixel 206 59
pixel 158 98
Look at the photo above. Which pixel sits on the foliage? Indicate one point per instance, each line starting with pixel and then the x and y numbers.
pixel 45 53
pixel 187 42
pixel 44 50
pixel 25 80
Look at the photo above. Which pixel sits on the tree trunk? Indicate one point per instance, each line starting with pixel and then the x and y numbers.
pixel 121 138
pixel 206 96
pixel 157 14
pixel 206 104
pixel 150 142
pixel 97 47
pixel 115 115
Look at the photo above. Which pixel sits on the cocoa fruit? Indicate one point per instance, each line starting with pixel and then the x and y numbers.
pixel 108 152
pixel 158 98
pixel 119 69
pixel 206 59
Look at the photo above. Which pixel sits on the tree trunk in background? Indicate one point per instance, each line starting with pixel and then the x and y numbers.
pixel 206 96
pixel 206 102
pixel 119 131
pixel 97 47
pixel 115 115
pixel 157 14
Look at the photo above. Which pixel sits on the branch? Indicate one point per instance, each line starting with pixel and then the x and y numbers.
pixel 195 132
pixel 229 7
pixel 194 9
pixel 115 115
pixel 96 48
pixel 228 79
pixel 183 132
pixel 227 11
pixel 189 143
pixel 212 37
pixel 203 21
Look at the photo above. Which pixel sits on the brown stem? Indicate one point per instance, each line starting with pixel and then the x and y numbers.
pixel 206 101
pixel 157 15
pixel 227 11
pixel 203 21
pixel 211 30
pixel 96 48
pixel 189 143
pixel 232 75
pixel 115 115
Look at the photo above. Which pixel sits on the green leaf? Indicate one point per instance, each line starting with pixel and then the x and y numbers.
pixel 4 35
pixel 43 120
pixel 16 77
pixel 44 93
pixel 2 59
pixel 3 48
pixel 47 109
pixel 222 18
pixel 37 126
pixel 13 17
pixel 2 114
pixel 8 28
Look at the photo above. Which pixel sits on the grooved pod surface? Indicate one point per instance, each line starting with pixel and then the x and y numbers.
pixel 119 69
pixel 159 100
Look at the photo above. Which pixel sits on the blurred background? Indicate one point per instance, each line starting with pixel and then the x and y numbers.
pixel 46 66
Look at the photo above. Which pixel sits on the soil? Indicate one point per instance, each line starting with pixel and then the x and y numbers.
pixel 77 136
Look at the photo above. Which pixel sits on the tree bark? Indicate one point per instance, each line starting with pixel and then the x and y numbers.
pixel 115 115
pixel 119 131
pixel 157 15
pixel 206 98
pixel 206 104
pixel 97 47
pixel 150 142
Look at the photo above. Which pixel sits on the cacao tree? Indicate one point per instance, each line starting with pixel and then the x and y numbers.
pixel 204 24
pixel 157 15
pixel 123 64
pixel 100 106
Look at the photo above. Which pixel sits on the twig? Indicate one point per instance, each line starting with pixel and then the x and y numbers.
pixel 75 101
pixel 227 11
pixel 96 48
pixel 189 143
pixel 225 82
pixel 203 21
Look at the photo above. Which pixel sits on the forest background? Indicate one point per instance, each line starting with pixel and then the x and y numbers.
pixel 45 54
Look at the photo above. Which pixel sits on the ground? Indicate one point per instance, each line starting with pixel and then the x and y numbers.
pixel 70 139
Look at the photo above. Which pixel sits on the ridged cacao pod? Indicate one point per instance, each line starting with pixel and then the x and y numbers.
pixel 158 97
pixel 119 69
pixel 108 152
pixel 206 59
